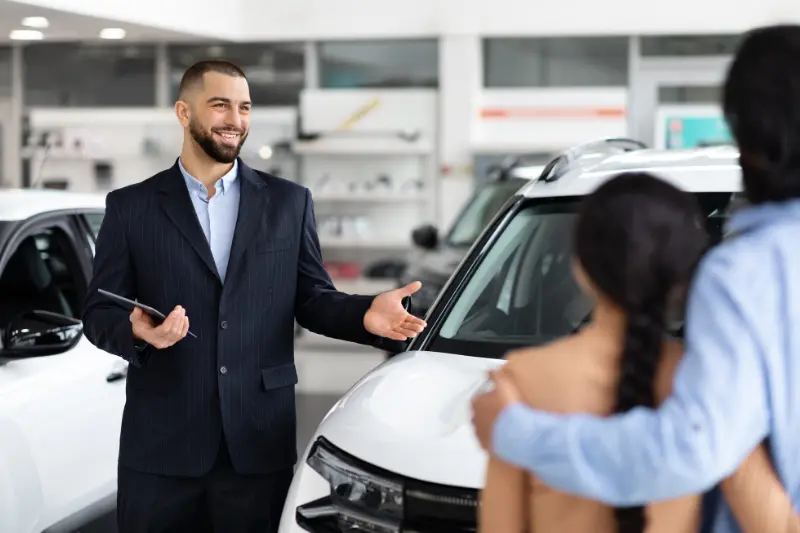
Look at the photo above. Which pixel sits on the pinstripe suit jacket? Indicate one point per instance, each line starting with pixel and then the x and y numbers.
pixel 179 400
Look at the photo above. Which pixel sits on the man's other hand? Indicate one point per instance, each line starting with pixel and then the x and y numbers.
pixel 387 317
pixel 487 407
pixel 172 330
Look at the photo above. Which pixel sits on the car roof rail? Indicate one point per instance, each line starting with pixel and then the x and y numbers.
pixel 503 171
pixel 564 161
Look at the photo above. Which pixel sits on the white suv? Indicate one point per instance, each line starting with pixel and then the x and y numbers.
pixel 397 452
pixel 61 399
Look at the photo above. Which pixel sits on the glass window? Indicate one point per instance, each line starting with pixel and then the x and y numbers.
pixel 523 292
pixel 275 71
pixel 89 75
pixel 689 94
pixel 42 274
pixel 5 72
pixel 555 62
pixel 689 45
pixel 480 211
pixel 95 220
pixel 386 64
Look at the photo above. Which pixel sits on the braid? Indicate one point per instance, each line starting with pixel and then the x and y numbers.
pixel 640 359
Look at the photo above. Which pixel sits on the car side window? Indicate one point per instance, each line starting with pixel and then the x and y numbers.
pixel 95 220
pixel 522 292
pixel 43 273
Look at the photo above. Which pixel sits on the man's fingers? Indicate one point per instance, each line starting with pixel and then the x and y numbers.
pixel 174 317
pixel 177 324
pixel 406 332
pixel 411 326
pixel 411 288
pixel 411 320
pixel 172 329
pixel 396 336
pixel 505 386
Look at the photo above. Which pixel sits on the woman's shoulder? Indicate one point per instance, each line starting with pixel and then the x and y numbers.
pixel 561 376
pixel 542 357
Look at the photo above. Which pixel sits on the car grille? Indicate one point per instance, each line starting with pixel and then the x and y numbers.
pixel 424 515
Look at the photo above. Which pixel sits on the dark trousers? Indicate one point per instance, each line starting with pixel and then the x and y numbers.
pixel 223 501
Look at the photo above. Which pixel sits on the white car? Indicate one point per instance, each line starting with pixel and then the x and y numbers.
pixel 397 451
pixel 61 399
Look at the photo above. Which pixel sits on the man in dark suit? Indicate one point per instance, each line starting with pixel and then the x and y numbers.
pixel 208 433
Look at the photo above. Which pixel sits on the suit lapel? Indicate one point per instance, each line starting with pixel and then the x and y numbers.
pixel 176 203
pixel 252 204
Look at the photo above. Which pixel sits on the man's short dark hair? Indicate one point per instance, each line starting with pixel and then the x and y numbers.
pixel 761 102
pixel 194 74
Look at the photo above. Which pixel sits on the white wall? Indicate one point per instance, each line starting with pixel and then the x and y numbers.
pixel 460 87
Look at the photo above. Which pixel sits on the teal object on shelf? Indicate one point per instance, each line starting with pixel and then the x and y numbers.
pixel 693 132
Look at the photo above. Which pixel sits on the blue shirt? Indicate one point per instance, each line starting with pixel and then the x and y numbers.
pixel 738 382
pixel 218 215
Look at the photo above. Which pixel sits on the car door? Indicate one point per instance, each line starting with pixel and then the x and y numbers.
pixel 63 410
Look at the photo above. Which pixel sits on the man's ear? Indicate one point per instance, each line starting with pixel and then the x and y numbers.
pixel 183 113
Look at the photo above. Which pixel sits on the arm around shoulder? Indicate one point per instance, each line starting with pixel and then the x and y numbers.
pixel 716 414
pixel 107 325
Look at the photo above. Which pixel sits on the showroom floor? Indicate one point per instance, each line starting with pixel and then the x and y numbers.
pixel 326 369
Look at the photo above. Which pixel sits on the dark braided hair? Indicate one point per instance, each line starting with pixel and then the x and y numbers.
pixel 639 239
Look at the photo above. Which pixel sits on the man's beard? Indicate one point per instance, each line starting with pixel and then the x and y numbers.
pixel 218 151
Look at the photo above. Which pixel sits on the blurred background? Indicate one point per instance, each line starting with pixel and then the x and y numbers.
pixel 411 122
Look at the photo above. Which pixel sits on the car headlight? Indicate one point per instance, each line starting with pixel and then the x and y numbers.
pixel 356 488
pixel 366 498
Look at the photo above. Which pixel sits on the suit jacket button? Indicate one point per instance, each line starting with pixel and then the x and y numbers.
pixel 223 325
pixel 223 370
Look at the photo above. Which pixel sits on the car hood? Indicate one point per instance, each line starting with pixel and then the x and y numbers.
pixel 411 416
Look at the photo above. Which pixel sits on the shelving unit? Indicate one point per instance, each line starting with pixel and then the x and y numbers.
pixel 369 159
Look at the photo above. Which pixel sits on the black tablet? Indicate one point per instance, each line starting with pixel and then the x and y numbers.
pixel 130 304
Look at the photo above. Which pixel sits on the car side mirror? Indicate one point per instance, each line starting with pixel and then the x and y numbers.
pixel 41 333
pixel 426 237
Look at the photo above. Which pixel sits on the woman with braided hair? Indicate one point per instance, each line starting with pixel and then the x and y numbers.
pixel 636 245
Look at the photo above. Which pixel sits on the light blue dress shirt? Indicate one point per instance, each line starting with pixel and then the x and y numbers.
pixel 738 382
pixel 218 215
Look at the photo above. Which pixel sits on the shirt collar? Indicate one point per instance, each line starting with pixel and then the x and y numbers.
pixel 760 215
pixel 222 185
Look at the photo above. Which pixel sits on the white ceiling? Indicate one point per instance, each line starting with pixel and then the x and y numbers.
pixel 73 27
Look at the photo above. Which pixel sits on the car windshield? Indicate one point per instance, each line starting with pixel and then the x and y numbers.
pixel 522 292
pixel 480 211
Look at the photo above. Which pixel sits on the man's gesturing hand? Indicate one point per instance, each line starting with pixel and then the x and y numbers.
pixel 173 329
pixel 388 318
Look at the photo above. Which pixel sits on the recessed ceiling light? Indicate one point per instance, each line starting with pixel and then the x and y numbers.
pixel 112 33
pixel 35 22
pixel 26 35
pixel 265 152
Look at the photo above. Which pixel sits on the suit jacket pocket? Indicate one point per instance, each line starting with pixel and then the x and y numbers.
pixel 279 376
pixel 272 245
